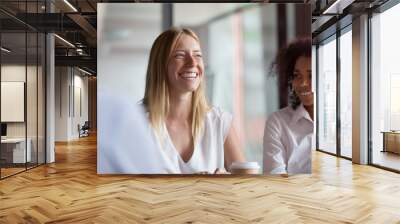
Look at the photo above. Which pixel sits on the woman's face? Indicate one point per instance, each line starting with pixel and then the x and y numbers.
pixel 302 80
pixel 185 66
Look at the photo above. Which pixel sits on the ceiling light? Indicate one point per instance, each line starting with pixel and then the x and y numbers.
pixel 337 7
pixel 5 49
pixel 65 41
pixel 84 71
pixel 70 5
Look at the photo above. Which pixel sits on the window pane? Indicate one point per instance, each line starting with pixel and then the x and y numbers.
pixel 345 94
pixel 385 86
pixel 327 96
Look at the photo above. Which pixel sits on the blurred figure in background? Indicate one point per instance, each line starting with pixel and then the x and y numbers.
pixel 288 132
pixel 193 137
pixel 125 139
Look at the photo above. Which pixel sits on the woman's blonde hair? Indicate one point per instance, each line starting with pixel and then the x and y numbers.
pixel 156 96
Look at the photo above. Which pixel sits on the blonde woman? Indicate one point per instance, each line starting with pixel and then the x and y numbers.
pixel 193 137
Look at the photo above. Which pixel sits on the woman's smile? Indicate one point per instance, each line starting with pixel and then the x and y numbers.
pixel 188 75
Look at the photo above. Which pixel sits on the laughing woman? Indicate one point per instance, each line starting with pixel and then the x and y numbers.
pixel 288 132
pixel 193 136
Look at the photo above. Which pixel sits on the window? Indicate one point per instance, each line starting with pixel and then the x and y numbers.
pixel 385 89
pixel 346 93
pixel 327 96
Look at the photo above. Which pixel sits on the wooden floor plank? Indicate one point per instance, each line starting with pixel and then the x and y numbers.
pixel 70 191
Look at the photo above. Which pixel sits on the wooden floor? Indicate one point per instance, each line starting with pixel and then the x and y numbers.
pixel 70 191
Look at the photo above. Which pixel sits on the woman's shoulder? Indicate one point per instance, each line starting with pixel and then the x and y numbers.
pixel 281 116
pixel 218 120
pixel 217 117
pixel 217 113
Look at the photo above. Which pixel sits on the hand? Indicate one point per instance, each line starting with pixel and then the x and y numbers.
pixel 217 171
pixel 221 171
pixel 202 172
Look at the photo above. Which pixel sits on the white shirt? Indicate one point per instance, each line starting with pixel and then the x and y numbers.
pixel 208 154
pixel 288 141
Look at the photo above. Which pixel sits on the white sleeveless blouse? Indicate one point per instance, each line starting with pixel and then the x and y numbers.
pixel 208 154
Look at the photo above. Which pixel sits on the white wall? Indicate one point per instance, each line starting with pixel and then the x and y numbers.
pixel 70 83
pixel 16 73
pixel 79 117
pixel 61 103
pixel 12 73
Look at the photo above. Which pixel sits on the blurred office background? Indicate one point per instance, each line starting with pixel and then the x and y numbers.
pixel 239 43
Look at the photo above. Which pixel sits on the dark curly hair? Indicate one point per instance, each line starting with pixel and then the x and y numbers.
pixel 284 64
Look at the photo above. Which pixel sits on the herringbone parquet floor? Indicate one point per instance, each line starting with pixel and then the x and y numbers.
pixel 70 191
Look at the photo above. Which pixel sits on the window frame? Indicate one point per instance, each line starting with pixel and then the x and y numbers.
pixel 378 10
pixel 333 37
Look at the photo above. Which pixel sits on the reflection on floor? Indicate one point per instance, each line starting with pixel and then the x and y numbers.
pixel 10 169
pixel 387 159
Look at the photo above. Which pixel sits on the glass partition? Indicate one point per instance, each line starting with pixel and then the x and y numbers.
pixel 13 108
pixel 22 90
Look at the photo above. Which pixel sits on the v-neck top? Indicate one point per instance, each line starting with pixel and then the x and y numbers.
pixel 208 154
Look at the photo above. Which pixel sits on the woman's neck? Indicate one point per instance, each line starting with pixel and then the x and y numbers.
pixel 310 110
pixel 180 106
